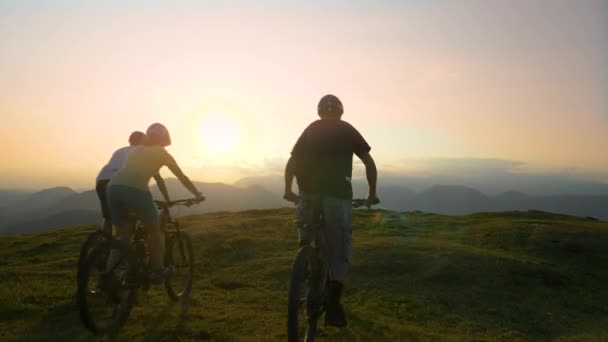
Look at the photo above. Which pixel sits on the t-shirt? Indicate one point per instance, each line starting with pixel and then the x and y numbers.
pixel 116 162
pixel 142 164
pixel 323 157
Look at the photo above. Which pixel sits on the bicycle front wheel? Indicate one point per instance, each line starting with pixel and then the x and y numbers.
pixel 180 257
pixel 305 296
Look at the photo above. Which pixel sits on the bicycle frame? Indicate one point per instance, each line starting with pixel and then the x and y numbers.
pixel 168 227
pixel 310 273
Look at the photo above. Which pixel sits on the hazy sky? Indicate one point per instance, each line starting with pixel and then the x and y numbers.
pixel 519 81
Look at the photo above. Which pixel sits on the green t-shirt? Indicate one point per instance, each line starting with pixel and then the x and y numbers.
pixel 143 163
pixel 323 157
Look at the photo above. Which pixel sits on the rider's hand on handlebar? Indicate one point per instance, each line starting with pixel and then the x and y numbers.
pixel 199 197
pixel 372 199
pixel 291 196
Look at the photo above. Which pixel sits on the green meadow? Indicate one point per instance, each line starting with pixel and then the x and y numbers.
pixel 415 276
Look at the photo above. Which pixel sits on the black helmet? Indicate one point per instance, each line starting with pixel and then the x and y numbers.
pixel 330 106
pixel 136 138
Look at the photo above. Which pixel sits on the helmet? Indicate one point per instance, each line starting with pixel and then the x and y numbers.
pixel 136 138
pixel 158 135
pixel 330 106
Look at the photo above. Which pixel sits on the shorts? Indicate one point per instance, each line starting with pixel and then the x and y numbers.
pixel 125 200
pixel 335 234
pixel 101 188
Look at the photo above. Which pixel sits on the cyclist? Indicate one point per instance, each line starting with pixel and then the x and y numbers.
pixel 103 178
pixel 321 161
pixel 128 193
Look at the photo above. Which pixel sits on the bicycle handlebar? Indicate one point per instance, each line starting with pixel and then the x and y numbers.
pixel 356 203
pixel 188 202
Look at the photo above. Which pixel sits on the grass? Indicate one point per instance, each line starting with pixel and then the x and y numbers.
pixel 498 276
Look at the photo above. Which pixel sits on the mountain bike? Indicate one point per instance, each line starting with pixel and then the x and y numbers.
pixel 105 298
pixel 308 286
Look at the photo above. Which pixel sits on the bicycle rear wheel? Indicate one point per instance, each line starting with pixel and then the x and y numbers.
pixel 180 257
pixel 305 296
pixel 105 300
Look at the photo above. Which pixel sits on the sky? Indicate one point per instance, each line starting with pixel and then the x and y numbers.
pixel 430 84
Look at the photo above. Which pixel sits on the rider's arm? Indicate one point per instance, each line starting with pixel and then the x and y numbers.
pixel 371 173
pixel 162 187
pixel 172 165
pixel 290 172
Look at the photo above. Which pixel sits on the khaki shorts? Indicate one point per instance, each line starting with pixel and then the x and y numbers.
pixel 333 217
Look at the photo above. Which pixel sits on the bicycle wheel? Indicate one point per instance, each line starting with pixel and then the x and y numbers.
pixel 305 296
pixel 179 256
pixel 104 302
pixel 93 238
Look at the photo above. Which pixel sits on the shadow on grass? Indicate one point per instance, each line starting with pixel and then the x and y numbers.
pixel 160 327
pixel 61 322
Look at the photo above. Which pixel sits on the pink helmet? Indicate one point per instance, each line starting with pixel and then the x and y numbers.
pixel 158 134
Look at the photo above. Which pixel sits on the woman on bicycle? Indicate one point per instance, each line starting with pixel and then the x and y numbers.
pixel 128 193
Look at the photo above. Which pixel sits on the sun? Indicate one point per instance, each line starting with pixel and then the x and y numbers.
pixel 220 132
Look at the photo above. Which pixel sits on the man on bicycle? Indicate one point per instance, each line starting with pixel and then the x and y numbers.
pixel 321 161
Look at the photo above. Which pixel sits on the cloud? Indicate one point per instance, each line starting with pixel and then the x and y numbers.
pixel 230 172
pixel 491 176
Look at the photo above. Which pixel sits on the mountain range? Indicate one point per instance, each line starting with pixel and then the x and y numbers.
pixel 23 211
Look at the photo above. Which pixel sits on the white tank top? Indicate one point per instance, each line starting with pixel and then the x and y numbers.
pixel 116 162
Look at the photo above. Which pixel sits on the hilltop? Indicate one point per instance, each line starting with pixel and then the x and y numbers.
pixel 416 276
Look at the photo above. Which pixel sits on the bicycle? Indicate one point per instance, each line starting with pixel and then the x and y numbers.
pixel 307 287
pixel 105 299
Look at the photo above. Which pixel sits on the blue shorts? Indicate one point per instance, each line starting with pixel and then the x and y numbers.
pixel 336 235
pixel 125 200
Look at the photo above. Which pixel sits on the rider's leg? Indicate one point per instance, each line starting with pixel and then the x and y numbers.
pixel 143 204
pixel 107 226
pixel 117 200
pixel 125 233
pixel 157 250
pixel 337 249
pixel 337 236
pixel 101 190
pixel 306 213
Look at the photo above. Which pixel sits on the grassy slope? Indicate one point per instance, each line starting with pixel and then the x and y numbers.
pixel 480 277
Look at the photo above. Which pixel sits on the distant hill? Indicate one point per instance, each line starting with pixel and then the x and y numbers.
pixel 523 276
pixel 458 199
pixel 58 207
pixel 42 199
pixel 10 196
pixel 223 197
pixel 451 200
pixel 54 221
pixel 56 204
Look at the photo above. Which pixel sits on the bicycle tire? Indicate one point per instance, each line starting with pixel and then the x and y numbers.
pixel 303 277
pixel 180 257
pixel 121 310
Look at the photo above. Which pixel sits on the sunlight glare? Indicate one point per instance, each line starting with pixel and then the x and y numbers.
pixel 220 132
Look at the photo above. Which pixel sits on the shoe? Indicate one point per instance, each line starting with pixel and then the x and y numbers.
pixel 334 311
pixel 159 276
